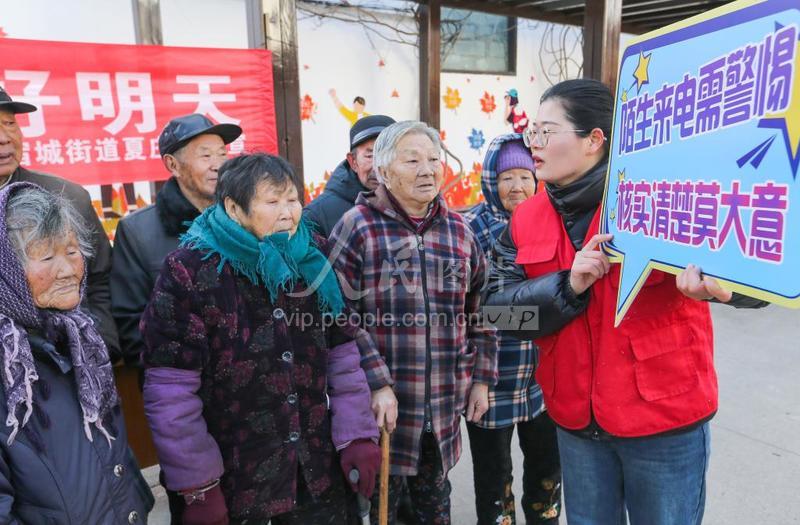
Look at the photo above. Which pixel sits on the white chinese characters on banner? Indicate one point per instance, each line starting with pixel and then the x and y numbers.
pixel 32 94
pixel 26 154
pixel 154 153
pixel 78 151
pixel 125 97
pixel 134 148
pixel 134 95
pixel 107 150
pixel 48 152
pixel 205 100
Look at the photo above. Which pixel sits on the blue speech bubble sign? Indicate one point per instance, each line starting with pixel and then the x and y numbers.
pixel 705 153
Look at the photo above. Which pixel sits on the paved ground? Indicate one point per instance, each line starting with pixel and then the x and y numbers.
pixel 754 477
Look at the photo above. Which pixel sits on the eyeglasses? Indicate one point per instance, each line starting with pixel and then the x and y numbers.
pixel 540 137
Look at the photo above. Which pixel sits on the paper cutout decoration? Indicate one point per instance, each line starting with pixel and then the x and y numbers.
pixel 452 98
pixel 476 195
pixel 307 108
pixel 462 191
pixel 488 104
pixel 119 201
pixel 476 139
pixel 312 191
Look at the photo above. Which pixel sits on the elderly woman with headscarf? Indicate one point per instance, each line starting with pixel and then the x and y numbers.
pixel 240 363
pixel 64 455
pixel 416 269
pixel 507 180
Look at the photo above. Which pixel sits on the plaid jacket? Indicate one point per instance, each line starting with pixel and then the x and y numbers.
pixel 516 397
pixel 413 287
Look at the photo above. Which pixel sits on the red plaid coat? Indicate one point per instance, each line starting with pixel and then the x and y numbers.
pixel 415 288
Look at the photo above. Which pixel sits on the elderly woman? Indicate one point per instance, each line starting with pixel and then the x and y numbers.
pixel 240 366
pixel 516 400
pixel 417 268
pixel 65 455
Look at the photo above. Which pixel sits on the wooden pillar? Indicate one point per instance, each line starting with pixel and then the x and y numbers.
pixel 280 25
pixel 147 22
pixel 430 63
pixel 602 22
pixel 147 28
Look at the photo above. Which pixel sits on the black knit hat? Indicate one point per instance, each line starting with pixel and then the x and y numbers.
pixel 368 128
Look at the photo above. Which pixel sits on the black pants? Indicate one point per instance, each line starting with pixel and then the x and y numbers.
pixel 429 489
pixel 492 472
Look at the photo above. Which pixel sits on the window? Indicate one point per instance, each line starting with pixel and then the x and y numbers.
pixel 476 42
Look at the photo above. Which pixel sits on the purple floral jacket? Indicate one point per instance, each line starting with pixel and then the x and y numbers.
pixel 237 387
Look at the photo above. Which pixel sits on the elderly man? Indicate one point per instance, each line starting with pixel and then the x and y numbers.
pixel 97 297
pixel 192 149
pixel 352 176
pixel 399 250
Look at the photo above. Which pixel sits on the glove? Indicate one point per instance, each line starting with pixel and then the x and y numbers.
pixel 211 510
pixel 365 456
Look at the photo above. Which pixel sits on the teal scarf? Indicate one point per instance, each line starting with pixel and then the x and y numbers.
pixel 276 261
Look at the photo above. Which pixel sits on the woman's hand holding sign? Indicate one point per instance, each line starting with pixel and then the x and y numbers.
pixel 589 265
pixel 693 284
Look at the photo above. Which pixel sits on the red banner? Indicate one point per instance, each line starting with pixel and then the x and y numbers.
pixel 102 106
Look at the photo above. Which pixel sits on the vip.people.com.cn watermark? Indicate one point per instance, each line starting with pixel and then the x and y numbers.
pixel 504 318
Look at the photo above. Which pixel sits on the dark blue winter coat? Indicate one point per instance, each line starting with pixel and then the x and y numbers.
pixel 339 196
pixel 51 473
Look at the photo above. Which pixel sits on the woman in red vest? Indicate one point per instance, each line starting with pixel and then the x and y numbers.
pixel 632 403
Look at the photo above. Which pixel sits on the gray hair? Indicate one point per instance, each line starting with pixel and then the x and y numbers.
pixel 385 149
pixel 34 215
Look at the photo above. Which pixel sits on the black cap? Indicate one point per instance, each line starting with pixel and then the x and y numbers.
pixel 179 131
pixel 6 104
pixel 368 128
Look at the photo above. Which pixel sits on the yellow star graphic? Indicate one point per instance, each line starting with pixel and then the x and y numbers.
pixel 792 113
pixel 621 175
pixel 624 96
pixel 641 74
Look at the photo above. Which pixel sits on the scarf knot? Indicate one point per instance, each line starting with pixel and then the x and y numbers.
pixel 276 261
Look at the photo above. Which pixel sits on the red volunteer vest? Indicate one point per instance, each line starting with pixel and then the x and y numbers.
pixel 652 374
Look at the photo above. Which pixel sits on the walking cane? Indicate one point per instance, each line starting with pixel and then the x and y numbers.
pixel 383 495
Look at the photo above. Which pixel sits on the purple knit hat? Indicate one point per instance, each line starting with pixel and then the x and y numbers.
pixel 94 376
pixel 514 154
